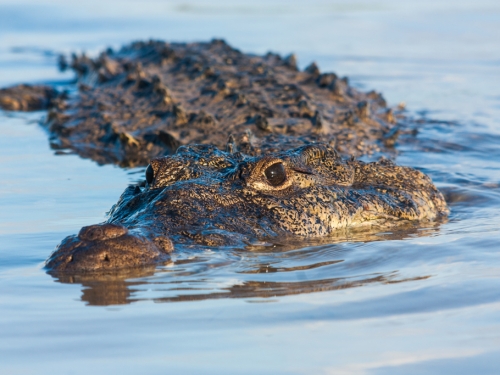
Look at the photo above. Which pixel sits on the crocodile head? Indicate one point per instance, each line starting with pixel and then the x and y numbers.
pixel 205 197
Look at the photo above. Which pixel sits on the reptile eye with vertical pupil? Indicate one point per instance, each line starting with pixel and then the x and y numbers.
pixel 275 174
pixel 150 174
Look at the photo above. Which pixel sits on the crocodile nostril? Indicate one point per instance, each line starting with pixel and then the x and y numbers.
pixel 106 258
pixel 91 233
pixel 102 232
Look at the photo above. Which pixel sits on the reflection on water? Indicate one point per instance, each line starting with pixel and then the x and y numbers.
pixel 117 290
pixel 201 276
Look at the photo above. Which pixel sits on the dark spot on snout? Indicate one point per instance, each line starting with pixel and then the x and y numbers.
pixel 102 232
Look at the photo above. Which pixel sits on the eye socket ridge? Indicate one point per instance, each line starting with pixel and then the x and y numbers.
pixel 276 174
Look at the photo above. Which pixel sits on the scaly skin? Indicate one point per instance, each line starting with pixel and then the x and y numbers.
pixel 147 98
pixel 208 197
pixel 27 98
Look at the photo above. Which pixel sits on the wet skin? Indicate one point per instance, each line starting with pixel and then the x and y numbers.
pixel 206 197
pixel 147 98
pixel 27 97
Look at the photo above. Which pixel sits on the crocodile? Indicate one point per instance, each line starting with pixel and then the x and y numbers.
pixel 241 149
pixel 204 197
pixel 147 98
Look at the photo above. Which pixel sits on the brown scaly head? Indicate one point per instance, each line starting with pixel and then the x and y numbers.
pixel 203 196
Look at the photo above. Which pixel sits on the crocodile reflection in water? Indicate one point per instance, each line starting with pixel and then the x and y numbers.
pixel 205 197
pixel 264 273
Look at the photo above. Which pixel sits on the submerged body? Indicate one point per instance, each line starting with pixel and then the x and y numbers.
pixel 203 196
pixel 148 98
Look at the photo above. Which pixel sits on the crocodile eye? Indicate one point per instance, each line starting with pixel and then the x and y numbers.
pixel 150 174
pixel 275 174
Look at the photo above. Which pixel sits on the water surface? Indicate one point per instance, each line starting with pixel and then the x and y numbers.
pixel 423 299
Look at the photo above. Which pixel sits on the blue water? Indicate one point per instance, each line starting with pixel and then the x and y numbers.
pixel 425 301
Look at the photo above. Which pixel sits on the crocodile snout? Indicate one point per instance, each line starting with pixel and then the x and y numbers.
pixel 105 247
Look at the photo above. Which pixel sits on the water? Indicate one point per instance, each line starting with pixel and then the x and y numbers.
pixel 424 300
